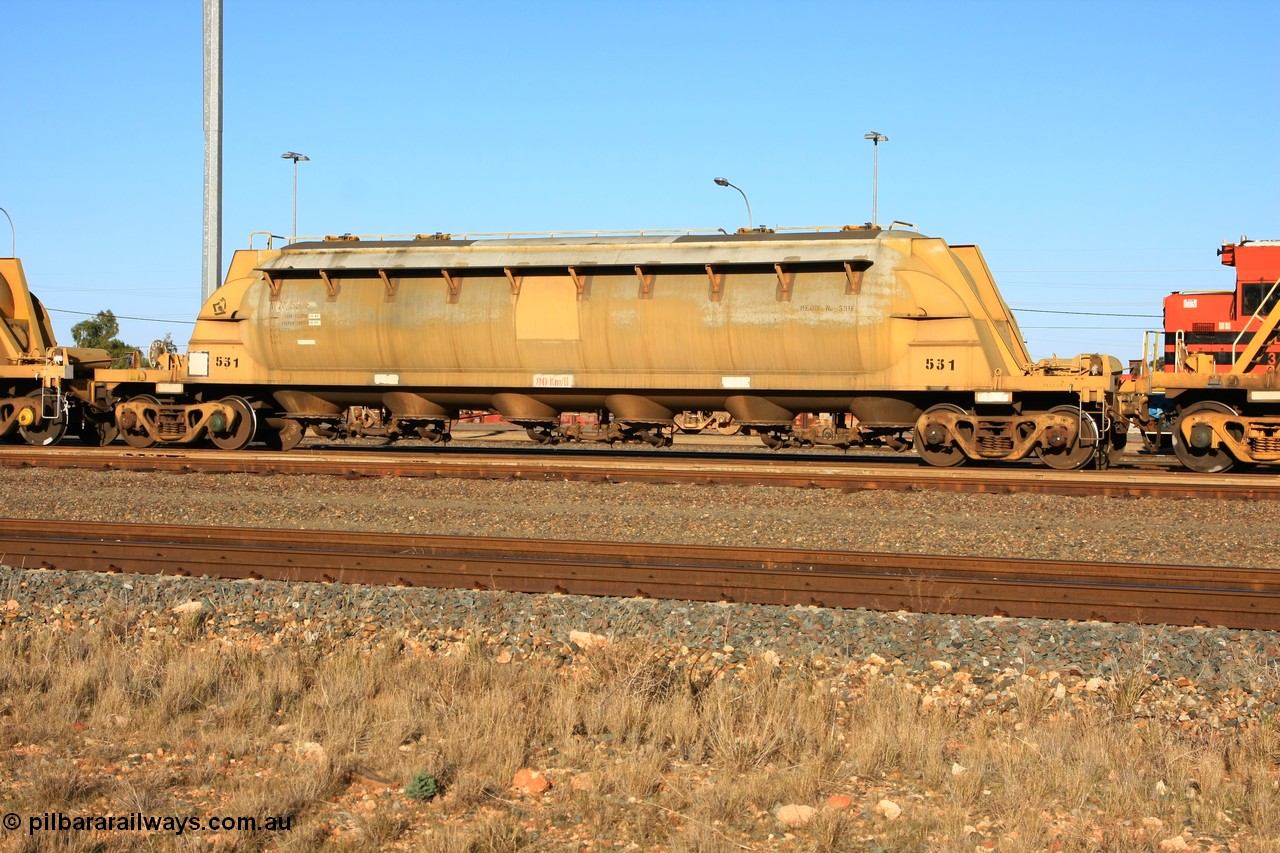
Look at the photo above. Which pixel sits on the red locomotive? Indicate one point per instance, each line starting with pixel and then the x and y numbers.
pixel 1207 331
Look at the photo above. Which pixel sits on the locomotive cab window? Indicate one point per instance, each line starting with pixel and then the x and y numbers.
pixel 1251 296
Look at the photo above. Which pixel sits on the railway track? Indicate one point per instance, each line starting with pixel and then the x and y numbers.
pixel 1180 595
pixel 844 473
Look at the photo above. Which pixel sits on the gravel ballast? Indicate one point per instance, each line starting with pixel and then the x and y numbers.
pixel 1134 530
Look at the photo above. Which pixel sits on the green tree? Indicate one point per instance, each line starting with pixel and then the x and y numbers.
pixel 99 332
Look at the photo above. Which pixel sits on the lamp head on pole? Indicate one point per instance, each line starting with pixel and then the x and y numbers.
pixel 876 138
pixel 724 182
pixel 296 158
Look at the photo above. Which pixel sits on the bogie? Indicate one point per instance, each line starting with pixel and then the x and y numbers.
pixel 1198 436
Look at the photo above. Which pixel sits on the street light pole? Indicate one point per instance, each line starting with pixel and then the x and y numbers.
pixel 13 234
pixel 876 139
pixel 295 157
pixel 212 265
pixel 724 183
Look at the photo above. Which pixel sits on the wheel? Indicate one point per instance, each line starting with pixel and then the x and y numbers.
pixel 138 436
pixel 246 425
pixel 936 446
pixel 97 431
pixel 48 430
pixel 1206 460
pixel 139 440
pixel 1081 450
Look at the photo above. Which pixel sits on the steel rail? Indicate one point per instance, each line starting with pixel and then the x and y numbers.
pixel 849 475
pixel 981 586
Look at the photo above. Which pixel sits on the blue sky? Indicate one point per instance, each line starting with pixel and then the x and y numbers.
pixel 1097 152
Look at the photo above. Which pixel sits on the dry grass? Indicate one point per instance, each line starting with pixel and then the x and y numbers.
pixel 643 746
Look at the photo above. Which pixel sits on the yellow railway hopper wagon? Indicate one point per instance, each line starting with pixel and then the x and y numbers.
pixel 896 336
pixel 43 386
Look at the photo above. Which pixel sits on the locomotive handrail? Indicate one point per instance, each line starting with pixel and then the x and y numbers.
pixel 1256 315
pixel 1151 344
